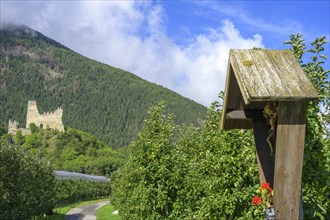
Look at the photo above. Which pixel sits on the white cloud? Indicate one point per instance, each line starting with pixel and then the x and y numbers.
pixel 132 36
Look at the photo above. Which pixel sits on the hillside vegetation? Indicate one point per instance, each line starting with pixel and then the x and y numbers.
pixel 71 150
pixel 107 102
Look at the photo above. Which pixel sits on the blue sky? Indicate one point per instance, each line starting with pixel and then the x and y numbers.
pixel 250 17
pixel 182 45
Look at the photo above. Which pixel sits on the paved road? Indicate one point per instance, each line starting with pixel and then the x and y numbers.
pixel 86 212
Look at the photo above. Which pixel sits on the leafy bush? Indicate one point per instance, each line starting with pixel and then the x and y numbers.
pixel 142 189
pixel 193 175
pixel 26 184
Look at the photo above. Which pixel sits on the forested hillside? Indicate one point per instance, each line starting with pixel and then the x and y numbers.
pixel 107 102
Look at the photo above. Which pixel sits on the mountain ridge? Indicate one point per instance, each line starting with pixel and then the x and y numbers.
pixel 24 31
pixel 105 101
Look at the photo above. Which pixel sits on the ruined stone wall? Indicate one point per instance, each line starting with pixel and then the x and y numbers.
pixel 13 128
pixel 51 120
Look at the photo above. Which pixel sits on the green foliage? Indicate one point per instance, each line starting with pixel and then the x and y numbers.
pixel 196 174
pixel 71 191
pixel 33 128
pixel 26 184
pixel 3 129
pixel 107 102
pixel 142 189
pixel 105 213
pixel 72 150
pixel 298 46
pixel 316 170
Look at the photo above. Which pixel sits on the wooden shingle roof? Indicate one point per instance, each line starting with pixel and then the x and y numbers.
pixel 255 77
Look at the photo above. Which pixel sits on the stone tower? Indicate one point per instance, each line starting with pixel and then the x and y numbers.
pixel 32 115
pixel 12 126
pixel 51 120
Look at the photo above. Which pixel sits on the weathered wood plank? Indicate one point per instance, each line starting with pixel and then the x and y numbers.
pixel 289 159
pixel 240 81
pixel 226 96
pixel 244 114
pixel 293 66
pixel 246 72
pixel 236 100
pixel 288 76
pixel 271 79
pixel 270 75
pixel 238 124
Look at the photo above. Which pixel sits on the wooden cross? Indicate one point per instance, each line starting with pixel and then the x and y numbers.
pixel 255 79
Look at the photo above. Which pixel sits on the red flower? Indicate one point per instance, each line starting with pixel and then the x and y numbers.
pixel 256 200
pixel 266 186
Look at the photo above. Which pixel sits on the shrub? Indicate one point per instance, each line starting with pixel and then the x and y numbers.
pixel 26 184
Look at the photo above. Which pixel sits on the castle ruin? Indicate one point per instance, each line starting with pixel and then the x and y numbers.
pixel 13 128
pixel 52 120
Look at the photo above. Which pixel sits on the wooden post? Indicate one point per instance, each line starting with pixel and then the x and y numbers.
pixel 265 161
pixel 290 141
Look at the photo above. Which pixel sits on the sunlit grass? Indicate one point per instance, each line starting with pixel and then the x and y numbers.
pixel 105 213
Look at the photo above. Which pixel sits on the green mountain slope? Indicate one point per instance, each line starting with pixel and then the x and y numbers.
pixel 107 102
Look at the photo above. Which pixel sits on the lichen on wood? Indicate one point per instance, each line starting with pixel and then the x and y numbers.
pixel 247 63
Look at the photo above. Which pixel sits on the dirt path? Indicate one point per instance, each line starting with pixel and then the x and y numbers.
pixel 86 212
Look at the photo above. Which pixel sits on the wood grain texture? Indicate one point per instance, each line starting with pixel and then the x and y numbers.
pixel 270 75
pixel 240 80
pixel 225 99
pixel 244 114
pixel 271 81
pixel 290 81
pixel 290 141
pixel 245 74
pixel 292 66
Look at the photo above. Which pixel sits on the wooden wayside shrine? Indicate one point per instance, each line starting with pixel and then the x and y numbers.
pixel 261 81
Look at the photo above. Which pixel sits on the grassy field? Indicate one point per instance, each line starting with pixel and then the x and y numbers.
pixel 105 213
